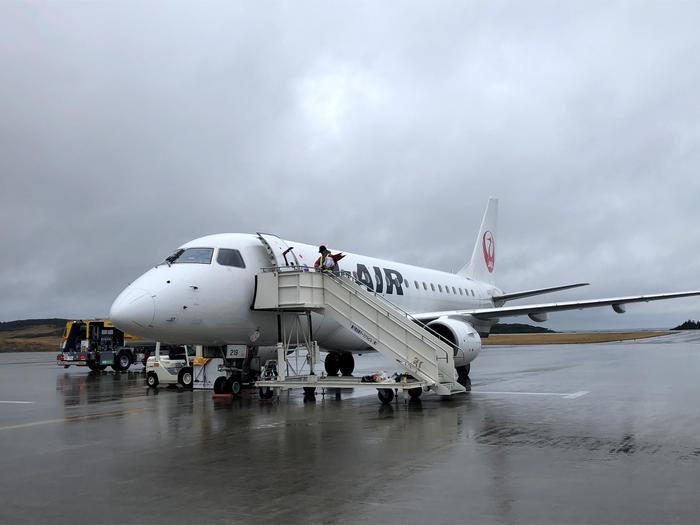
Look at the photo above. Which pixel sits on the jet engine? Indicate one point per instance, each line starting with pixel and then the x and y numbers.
pixel 461 334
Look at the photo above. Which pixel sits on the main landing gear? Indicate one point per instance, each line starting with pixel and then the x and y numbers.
pixel 229 385
pixel 339 362
pixel 463 375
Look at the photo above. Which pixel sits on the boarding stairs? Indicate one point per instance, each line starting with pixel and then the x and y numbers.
pixel 378 322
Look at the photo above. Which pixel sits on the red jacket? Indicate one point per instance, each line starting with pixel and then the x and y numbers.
pixel 335 256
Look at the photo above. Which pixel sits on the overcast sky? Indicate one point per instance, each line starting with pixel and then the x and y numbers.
pixel 129 128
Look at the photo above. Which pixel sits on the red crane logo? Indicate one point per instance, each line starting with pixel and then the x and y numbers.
pixel 489 246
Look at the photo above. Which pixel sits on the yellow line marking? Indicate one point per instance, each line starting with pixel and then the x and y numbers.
pixel 32 424
pixel 71 419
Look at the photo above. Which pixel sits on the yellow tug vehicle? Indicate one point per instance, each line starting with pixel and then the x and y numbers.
pixel 97 344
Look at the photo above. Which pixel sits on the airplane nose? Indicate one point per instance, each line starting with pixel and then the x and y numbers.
pixel 134 308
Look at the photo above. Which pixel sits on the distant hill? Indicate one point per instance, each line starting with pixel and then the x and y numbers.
pixel 688 325
pixel 519 328
pixel 31 335
pixel 31 323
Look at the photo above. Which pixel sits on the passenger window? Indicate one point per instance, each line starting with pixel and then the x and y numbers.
pixel 440 288
pixel 432 287
pixel 230 257
pixel 447 289
pixel 416 283
pixel 461 292
pixel 472 291
pixel 454 291
pixel 406 284
pixel 191 255
pixel 425 286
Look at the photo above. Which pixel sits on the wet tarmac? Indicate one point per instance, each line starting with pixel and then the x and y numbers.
pixel 606 433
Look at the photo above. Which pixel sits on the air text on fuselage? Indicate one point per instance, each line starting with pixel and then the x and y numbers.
pixel 380 280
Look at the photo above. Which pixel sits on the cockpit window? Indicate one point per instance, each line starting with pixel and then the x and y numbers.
pixel 230 257
pixel 191 255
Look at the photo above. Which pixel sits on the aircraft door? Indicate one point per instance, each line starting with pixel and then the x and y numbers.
pixel 280 253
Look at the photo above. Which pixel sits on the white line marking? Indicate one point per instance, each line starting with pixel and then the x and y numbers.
pixel 565 395
pixel 17 402
pixel 578 394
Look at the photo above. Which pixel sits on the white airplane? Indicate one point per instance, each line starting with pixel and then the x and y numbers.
pixel 202 294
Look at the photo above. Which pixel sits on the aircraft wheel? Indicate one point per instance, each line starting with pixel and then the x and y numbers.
pixel 463 375
pixel 265 393
pixel 93 366
pixel 152 379
pixel 415 393
pixel 185 377
pixel 332 363
pixel 309 391
pixel 385 395
pixel 346 363
pixel 220 385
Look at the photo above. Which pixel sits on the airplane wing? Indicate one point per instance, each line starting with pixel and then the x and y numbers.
pixel 529 293
pixel 538 312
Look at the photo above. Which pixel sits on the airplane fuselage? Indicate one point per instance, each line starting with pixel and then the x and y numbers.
pixel 204 293
pixel 210 303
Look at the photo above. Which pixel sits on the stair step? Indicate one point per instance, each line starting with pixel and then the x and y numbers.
pixel 382 325
pixel 448 389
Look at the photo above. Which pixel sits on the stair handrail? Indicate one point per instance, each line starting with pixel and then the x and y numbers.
pixel 349 278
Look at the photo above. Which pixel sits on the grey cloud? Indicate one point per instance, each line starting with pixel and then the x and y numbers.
pixel 130 128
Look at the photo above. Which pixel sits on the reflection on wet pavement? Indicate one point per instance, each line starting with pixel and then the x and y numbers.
pixel 584 433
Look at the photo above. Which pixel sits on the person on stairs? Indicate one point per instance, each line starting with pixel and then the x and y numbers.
pixel 328 262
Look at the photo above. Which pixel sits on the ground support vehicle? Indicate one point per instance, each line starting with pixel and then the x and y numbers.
pixel 239 369
pixel 97 343
pixel 170 365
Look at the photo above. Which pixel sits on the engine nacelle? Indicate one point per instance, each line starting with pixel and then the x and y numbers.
pixel 462 335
